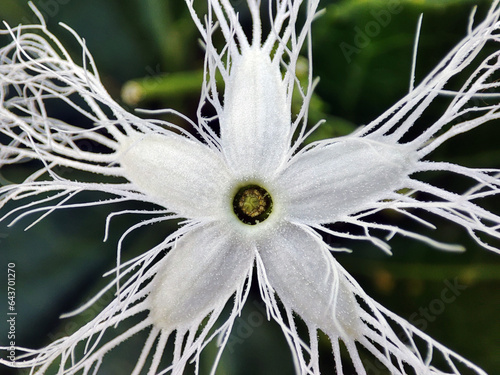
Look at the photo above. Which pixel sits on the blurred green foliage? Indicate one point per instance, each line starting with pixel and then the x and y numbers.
pixel 154 44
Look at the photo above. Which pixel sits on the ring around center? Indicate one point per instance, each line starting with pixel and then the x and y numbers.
pixel 252 204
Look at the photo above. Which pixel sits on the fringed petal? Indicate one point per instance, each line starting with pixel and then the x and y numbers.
pixel 205 267
pixel 296 265
pixel 255 123
pixel 259 76
pixel 330 182
pixel 182 175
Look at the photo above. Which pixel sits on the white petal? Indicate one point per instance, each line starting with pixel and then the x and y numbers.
pixel 330 182
pixel 255 123
pixel 182 175
pixel 199 275
pixel 310 282
pixel 301 272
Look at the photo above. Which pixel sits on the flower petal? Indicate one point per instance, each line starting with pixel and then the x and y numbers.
pixel 197 276
pixel 333 181
pixel 302 273
pixel 255 123
pixel 310 282
pixel 179 174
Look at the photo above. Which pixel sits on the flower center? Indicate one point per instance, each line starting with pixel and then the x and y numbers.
pixel 252 204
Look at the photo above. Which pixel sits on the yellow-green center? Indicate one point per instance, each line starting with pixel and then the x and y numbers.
pixel 252 204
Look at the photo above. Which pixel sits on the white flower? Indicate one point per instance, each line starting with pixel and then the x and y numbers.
pixel 251 196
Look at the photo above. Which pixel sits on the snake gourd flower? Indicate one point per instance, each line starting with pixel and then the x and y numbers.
pixel 254 199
